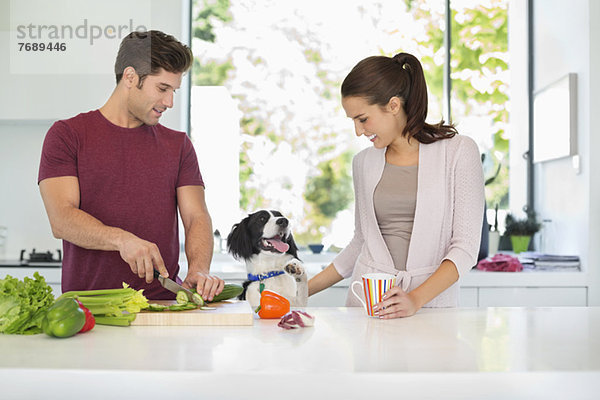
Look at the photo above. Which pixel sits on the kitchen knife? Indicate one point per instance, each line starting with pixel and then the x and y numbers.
pixel 173 286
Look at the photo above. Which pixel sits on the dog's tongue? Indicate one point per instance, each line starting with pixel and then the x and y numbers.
pixel 282 247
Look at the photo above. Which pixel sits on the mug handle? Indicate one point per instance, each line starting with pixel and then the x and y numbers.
pixel 357 296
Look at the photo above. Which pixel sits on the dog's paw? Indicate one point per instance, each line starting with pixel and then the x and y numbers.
pixel 294 268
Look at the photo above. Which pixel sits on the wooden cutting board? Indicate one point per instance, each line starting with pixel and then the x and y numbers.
pixel 230 312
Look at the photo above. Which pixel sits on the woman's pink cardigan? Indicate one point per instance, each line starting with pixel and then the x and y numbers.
pixel 448 217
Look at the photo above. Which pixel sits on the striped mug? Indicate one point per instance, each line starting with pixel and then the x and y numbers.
pixel 374 286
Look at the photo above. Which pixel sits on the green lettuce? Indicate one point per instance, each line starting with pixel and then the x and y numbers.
pixel 23 304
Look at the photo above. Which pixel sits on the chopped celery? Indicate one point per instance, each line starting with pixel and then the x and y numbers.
pixel 111 306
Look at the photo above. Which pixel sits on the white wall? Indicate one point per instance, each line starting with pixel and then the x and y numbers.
pixel 21 208
pixel 566 39
pixel 561 45
pixel 593 222
pixel 54 96
pixel 28 106
pixel 215 132
pixel 518 117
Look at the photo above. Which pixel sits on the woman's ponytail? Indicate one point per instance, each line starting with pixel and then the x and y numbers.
pixel 416 103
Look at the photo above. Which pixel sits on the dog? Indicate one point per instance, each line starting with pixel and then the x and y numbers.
pixel 264 241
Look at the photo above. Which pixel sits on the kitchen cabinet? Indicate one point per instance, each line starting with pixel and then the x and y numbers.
pixel 468 297
pixel 526 289
pixel 485 289
pixel 334 296
pixel 496 289
pixel 481 297
pixel 523 296
pixel 532 297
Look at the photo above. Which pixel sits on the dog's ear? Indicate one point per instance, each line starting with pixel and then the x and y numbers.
pixel 239 242
pixel 293 250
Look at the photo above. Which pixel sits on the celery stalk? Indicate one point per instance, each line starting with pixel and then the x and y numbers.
pixel 124 320
pixel 125 290
pixel 111 306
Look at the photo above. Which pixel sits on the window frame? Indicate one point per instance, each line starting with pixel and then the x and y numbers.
pixel 447 93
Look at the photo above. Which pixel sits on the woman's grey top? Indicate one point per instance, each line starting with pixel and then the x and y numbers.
pixel 395 199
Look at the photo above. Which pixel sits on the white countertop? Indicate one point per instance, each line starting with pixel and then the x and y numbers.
pixel 469 353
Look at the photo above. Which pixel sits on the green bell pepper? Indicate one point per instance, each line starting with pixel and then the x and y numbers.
pixel 64 318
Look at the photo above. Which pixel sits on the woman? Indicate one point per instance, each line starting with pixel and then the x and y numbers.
pixel 419 192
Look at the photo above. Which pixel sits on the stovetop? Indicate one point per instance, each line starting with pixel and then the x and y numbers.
pixel 40 259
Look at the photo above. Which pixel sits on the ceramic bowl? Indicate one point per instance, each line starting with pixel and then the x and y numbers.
pixel 315 248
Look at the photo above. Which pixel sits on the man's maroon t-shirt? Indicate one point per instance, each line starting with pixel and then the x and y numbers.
pixel 128 179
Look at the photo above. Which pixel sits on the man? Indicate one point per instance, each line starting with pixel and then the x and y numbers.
pixel 112 180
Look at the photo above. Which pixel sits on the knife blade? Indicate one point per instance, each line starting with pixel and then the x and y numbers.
pixel 173 286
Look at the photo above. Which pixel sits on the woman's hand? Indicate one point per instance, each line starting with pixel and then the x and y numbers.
pixel 396 303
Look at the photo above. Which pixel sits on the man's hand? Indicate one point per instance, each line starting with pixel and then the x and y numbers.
pixel 142 256
pixel 206 285
pixel 396 303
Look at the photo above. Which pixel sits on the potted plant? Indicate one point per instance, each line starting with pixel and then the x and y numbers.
pixel 521 230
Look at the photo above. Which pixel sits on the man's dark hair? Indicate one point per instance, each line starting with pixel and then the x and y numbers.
pixel 148 52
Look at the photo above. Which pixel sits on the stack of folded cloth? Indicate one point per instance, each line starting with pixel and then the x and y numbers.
pixel 500 262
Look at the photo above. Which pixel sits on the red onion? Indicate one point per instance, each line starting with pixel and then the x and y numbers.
pixel 296 319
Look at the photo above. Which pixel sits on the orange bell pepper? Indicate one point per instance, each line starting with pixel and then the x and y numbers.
pixel 272 305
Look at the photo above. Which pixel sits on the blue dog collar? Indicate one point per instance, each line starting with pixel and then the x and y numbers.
pixel 262 277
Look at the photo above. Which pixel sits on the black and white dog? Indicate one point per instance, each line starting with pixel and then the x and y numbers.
pixel 264 241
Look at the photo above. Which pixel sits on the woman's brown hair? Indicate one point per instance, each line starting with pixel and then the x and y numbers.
pixel 379 78
pixel 148 52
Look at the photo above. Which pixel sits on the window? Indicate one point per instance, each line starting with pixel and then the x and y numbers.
pixel 480 79
pixel 266 116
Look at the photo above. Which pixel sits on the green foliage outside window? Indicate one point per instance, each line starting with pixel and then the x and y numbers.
pixel 202 25
pixel 479 50
pixel 326 194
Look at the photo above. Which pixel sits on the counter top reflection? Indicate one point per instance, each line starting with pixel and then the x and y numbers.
pixel 507 352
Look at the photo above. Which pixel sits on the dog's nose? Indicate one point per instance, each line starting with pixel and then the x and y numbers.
pixel 283 222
